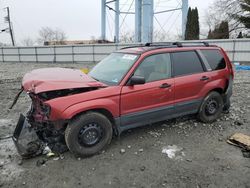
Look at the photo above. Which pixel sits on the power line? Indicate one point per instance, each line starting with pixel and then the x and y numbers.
pixel 159 24
pixel 110 28
pixel 127 14
pixel 173 22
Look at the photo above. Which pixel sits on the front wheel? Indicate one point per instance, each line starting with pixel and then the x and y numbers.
pixel 211 107
pixel 88 134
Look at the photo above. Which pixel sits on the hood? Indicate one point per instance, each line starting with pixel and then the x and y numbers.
pixel 51 79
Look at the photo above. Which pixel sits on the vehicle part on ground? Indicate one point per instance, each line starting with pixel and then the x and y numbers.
pixel 26 140
pixel 88 134
pixel 16 98
pixel 242 141
pixel 211 107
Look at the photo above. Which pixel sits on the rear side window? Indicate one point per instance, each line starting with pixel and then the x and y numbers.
pixel 215 59
pixel 185 63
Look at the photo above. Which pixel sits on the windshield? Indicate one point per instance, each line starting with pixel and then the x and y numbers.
pixel 113 68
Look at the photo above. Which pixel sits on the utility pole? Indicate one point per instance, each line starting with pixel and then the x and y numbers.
pixel 184 17
pixel 117 15
pixel 7 19
pixel 103 18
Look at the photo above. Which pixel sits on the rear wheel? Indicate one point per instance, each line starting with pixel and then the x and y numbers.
pixel 211 107
pixel 88 134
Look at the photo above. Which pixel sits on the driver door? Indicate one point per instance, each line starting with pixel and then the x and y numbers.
pixel 152 101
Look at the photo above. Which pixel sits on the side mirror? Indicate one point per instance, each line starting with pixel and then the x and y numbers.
pixel 136 80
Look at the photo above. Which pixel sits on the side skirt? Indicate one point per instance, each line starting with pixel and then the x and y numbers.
pixel 146 117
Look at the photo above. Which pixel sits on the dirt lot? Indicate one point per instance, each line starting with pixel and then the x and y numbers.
pixel 204 159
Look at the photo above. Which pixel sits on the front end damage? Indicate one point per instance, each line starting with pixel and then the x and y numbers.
pixel 34 131
pixel 37 129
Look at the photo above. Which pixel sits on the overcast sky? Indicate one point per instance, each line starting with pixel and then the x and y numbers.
pixel 80 19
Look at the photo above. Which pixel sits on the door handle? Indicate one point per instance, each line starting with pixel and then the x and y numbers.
pixel 204 78
pixel 165 85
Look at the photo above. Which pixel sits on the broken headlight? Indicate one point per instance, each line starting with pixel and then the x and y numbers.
pixel 45 108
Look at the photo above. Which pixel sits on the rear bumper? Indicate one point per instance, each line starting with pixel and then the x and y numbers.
pixel 229 91
pixel 26 140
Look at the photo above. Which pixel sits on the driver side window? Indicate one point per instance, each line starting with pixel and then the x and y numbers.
pixel 155 67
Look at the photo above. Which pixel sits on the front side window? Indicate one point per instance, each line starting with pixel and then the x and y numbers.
pixel 186 63
pixel 155 67
pixel 215 59
pixel 113 68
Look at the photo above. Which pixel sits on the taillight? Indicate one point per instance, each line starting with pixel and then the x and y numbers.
pixel 229 63
pixel 231 68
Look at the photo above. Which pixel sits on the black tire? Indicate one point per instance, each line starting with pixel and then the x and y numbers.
pixel 88 134
pixel 211 107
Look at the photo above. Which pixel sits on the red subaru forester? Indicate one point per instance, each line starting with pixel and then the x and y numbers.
pixel 132 87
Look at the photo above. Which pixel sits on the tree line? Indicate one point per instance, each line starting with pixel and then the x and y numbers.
pixel 225 18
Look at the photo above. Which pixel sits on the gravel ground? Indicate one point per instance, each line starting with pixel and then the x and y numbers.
pixel 202 158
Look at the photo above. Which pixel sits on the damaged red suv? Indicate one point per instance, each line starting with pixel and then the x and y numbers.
pixel 132 87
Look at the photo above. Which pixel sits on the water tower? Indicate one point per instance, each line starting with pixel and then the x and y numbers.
pixel 144 14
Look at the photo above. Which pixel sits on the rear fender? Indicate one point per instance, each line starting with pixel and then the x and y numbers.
pixel 214 85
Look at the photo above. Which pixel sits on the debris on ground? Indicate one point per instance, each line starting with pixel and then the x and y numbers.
pixel 154 134
pixel 20 162
pixel 40 162
pixel 242 141
pixel 173 152
pixel 46 150
pixel 122 151
pixel 142 168
pixel 50 154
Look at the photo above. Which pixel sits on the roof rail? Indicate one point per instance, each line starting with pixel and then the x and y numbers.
pixel 159 44
pixel 181 44
pixel 178 44
pixel 171 44
pixel 133 46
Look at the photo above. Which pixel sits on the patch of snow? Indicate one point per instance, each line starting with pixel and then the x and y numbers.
pixel 173 152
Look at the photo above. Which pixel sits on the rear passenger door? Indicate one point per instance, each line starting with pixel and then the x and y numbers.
pixel 190 77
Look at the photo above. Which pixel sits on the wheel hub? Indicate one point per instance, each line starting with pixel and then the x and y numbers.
pixel 90 134
pixel 211 107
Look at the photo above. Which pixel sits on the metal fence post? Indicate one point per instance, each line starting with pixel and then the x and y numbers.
pixel 19 56
pixel 73 53
pixel 54 48
pixel 93 52
pixel 2 54
pixel 234 44
pixel 36 55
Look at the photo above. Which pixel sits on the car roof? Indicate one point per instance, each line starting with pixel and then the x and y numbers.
pixel 140 49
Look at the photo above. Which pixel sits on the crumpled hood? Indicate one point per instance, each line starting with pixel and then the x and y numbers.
pixel 51 79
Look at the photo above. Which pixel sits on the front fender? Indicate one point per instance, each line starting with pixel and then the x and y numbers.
pixel 108 104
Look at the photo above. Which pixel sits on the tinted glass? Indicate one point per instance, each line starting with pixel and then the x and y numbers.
pixel 215 59
pixel 186 63
pixel 155 67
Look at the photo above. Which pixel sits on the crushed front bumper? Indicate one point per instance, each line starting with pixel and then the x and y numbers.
pixel 26 140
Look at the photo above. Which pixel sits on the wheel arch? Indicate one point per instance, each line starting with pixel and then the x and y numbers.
pixel 102 111
pixel 218 89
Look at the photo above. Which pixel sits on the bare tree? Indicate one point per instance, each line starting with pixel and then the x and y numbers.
pixel 225 10
pixel 55 36
pixel 28 42
pixel 127 37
